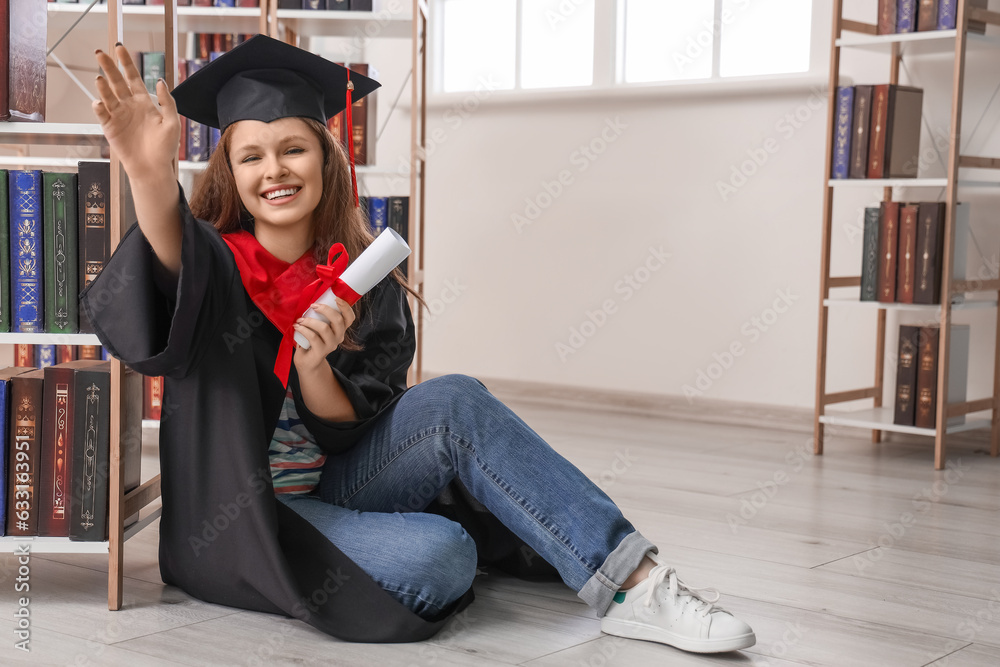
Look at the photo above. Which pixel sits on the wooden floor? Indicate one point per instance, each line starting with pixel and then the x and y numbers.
pixel 864 556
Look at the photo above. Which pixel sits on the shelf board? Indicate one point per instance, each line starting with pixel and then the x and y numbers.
pixel 907 183
pixel 48 339
pixel 60 134
pixel 918 307
pixel 881 419
pixel 64 545
pixel 364 25
pixel 31 162
pixel 143 18
pixel 931 41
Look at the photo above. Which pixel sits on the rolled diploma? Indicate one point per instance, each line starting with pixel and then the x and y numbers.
pixel 371 266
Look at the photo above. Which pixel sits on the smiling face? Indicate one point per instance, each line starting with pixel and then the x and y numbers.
pixel 278 168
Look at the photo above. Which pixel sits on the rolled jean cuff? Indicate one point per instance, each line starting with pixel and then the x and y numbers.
pixel 600 589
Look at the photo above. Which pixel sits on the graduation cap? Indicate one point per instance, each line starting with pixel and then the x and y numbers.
pixel 266 79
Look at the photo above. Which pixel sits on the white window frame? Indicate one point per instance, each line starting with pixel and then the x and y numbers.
pixel 609 65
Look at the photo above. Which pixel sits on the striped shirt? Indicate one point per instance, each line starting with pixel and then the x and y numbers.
pixel 296 460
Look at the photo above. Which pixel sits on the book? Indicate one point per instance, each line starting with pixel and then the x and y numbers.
pixel 5 393
pixel 24 355
pixel 313 4
pixel 94 231
pixel 6 317
pixel 902 136
pixel 27 48
pixel 886 17
pixel 57 444
pixel 363 115
pixel 4 62
pixel 22 461
pixel 88 352
pixel 59 239
pixel 927 376
pixel 289 4
pixel 338 5
pixel 927 15
pixel 906 375
pixel 881 112
pixel 89 463
pixel 361 5
pixel 45 355
pixel 859 136
pixel 152 397
pixel 181 76
pixel 25 189
pixel 906 14
pixel 65 353
pixel 907 253
pixel 153 67
pixel 888 236
pixel 930 243
pixel 842 133
pixel 197 134
pixel 870 255
pixel 378 213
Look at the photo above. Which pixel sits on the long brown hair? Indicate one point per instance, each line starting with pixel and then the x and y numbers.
pixel 336 219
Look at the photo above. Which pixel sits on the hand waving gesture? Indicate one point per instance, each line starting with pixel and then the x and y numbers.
pixel 143 136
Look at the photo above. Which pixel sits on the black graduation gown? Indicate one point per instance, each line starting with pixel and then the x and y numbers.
pixel 223 536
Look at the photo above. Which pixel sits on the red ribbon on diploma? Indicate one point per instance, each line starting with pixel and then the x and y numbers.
pixel 328 277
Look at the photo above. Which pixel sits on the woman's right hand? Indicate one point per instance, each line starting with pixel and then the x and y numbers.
pixel 144 136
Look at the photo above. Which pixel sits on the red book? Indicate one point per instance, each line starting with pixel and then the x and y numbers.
pixel 886 17
pixel 363 120
pixel 56 448
pixel 182 71
pixel 204 46
pixel 906 265
pixel 89 352
pixel 881 112
pixel 927 371
pixel 23 448
pixel 24 355
pixel 65 353
pixel 152 397
pixel 888 242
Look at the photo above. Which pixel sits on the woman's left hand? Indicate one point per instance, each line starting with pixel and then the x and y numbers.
pixel 323 337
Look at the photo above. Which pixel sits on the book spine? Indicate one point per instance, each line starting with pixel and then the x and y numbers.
pixel 930 235
pixel 906 375
pixel 842 138
pixel 361 5
pixel 248 3
pixel 56 445
pixel 59 236
pixel 89 352
pixel 152 397
pixel 338 5
pixel 24 355
pixel 927 15
pixel 888 242
pixel 89 502
pixel 4 61
pixel 65 353
pixel 202 3
pixel 93 188
pixel 886 17
pixel 26 251
pixel 362 117
pixel 378 214
pixel 26 412
pixel 289 4
pixel 313 4
pixel 197 134
pixel 927 370
pixel 869 261
pixel 45 355
pixel 905 15
pixel 27 48
pixel 181 76
pixel 907 263
pixel 947 14
pixel 6 318
pixel 859 136
pixel 153 68
pixel 225 3
pixel 4 447
pixel 879 119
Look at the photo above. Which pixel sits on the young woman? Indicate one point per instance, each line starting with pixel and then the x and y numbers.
pixel 313 497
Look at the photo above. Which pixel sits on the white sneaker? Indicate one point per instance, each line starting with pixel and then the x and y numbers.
pixel 662 609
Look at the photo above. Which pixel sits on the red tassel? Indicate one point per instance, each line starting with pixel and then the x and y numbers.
pixel 350 139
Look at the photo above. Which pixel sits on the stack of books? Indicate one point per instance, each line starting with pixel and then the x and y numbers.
pixel 391 212
pixel 877 133
pixel 895 16
pixel 917 373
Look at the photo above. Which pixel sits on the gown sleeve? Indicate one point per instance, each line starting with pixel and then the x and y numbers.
pixel 375 376
pixel 151 325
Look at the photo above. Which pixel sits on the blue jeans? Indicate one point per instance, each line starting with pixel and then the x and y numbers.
pixel 369 499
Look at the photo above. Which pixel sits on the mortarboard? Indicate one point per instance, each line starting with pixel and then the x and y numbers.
pixel 265 79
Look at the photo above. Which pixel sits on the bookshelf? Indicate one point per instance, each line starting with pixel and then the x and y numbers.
pixel 125 417
pixel 297 26
pixel 985 293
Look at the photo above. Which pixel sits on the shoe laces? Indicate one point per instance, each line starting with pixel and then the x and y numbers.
pixel 675 587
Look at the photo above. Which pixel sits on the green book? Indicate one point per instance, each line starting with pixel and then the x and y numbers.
pixel 5 279
pixel 59 238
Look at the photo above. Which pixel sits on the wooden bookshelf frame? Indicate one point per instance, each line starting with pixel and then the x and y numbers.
pixel 949 287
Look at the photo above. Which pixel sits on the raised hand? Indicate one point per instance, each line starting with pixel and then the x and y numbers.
pixel 144 136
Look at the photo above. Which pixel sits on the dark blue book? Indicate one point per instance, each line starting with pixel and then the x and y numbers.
pixel 869 255
pixel 5 389
pixel 947 14
pixel 197 134
pixel 842 136
pixel 45 355
pixel 378 214
pixel 906 16
pixel 225 3
pixel 26 250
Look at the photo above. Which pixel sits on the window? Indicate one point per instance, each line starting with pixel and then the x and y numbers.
pixel 537 44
